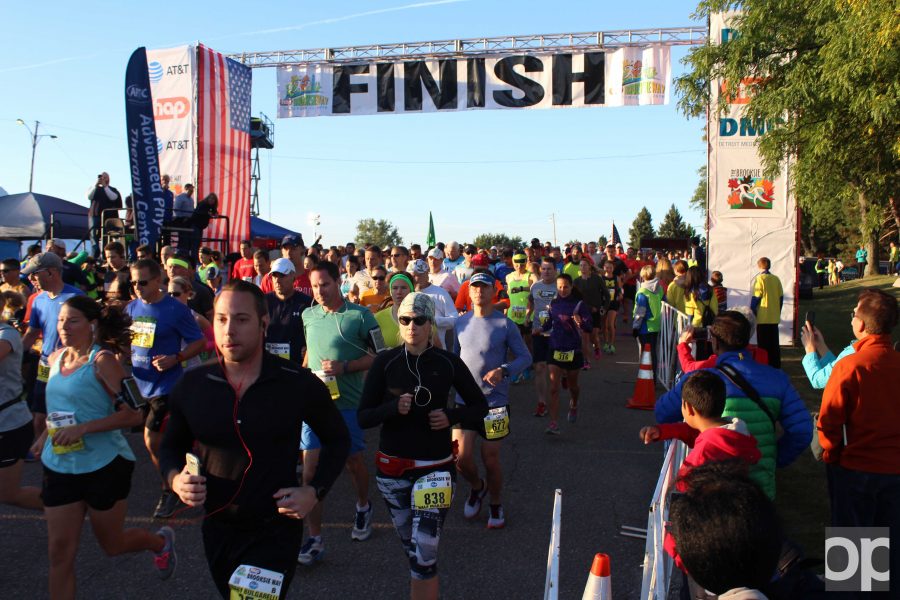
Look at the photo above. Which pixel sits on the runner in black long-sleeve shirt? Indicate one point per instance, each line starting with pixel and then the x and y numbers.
pixel 245 414
pixel 406 392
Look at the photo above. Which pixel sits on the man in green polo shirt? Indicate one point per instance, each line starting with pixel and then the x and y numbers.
pixel 341 342
pixel 768 297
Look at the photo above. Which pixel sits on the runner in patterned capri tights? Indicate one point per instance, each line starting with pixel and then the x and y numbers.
pixel 406 393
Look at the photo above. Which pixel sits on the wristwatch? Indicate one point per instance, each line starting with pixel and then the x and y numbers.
pixel 505 370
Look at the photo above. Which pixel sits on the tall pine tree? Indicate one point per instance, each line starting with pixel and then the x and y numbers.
pixel 673 226
pixel 642 227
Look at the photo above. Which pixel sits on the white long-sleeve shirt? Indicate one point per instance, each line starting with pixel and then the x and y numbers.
pixel 445 313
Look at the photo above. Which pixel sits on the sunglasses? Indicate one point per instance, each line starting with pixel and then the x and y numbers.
pixel 140 283
pixel 420 320
pixel 397 255
pixel 175 294
pixel 377 278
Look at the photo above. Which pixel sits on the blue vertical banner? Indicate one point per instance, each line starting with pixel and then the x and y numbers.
pixel 148 202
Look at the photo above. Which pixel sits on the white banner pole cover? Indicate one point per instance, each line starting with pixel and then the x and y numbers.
pixel 750 216
pixel 172 84
pixel 629 76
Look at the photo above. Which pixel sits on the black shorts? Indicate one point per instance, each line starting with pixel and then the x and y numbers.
pixel 576 363
pixel 524 330
pixel 157 411
pixel 630 291
pixel 597 319
pixel 271 544
pixel 37 397
pixel 14 444
pixel 99 489
pixel 540 345
pixel 613 306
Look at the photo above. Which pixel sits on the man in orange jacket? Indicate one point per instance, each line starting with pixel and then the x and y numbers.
pixel 859 423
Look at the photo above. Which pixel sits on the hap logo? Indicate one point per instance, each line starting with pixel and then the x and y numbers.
pixel 857 559
pixel 171 108
pixel 134 93
pixel 156 71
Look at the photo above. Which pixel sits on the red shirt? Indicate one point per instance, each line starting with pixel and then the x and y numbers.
pixel 243 269
pixel 688 364
pixel 464 303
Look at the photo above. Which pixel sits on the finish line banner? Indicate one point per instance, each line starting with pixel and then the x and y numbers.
pixel 626 77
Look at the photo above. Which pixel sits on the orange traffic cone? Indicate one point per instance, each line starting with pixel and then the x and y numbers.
pixel 598 584
pixel 644 388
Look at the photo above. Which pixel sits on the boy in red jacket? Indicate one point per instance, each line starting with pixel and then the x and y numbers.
pixel 711 437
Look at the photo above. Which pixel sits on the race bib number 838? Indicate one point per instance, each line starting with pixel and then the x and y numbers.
pixel 433 491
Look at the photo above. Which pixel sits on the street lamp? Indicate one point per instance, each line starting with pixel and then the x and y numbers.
pixel 34 141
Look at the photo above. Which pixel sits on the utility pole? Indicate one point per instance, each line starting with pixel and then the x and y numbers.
pixel 34 141
pixel 553 220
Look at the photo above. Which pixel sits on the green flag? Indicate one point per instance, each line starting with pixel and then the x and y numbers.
pixel 430 241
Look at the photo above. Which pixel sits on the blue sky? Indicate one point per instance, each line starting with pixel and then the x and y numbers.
pixel 65 67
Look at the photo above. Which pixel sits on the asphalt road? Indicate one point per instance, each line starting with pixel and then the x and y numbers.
pixel 606 476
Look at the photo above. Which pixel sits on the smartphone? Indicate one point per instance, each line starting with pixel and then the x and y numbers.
pixel 701 333
pixel 131 394
pixel 193 464
pixel 811 318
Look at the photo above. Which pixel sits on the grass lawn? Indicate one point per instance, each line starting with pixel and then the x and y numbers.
pixel 802 496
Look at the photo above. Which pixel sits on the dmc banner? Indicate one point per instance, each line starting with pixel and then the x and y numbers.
pixel 750 216
pixel 143 152
pixel 172 84
pixel 629 76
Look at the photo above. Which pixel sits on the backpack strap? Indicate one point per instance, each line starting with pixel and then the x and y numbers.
pixel 737 379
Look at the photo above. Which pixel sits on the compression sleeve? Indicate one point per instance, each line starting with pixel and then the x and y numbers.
pixel 373 409
pixel 476 406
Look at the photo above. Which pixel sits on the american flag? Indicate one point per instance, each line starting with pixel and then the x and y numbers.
pixel 223 135
pixel 615 239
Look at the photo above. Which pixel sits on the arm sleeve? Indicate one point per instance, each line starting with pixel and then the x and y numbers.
pixel 515 343
pixel 678 431
pixel 326 421
pixel 373 410
pixel 818 370
pixel 797 424
pixel 178 437
pixel 476 406
pixel 640 311
pixel 449 315
pixel 688 364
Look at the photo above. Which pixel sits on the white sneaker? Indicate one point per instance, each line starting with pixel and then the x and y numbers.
pixel 313 550
pixel 496 520
pixel 362 526
pixel 472 507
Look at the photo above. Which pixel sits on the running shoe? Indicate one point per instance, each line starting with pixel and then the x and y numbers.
pixel 605 348
pixel 553 428
pixel 312 550
pixel 473 505
pixel 573 415
pixel 362 526
pixel 166 560
pixel 168 504
pixel 541 410
pixel 597 353
pixel 612 348
pixel 496 520
pixel 586 366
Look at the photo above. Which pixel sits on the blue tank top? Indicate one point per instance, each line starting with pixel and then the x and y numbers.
pixel 80 392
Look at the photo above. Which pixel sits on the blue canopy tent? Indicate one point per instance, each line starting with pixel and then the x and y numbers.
pixel 30 216
pixel 260 229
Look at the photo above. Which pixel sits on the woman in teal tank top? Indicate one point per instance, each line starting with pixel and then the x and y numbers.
pixel 87 461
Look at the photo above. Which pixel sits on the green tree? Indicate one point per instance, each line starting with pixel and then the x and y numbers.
pixel 501 240
pixel 699 199
pixel 381 232
pixel 826 72
pixel 642 227
pixel 601 243
pixel 673 226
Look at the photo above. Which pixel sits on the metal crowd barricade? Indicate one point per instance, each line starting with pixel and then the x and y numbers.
pixel 551 583
pixel 658 564
pixel 672 325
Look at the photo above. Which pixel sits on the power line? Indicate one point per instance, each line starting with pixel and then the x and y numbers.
pixel 485 162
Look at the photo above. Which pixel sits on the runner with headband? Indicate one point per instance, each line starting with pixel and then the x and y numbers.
pixel 406 393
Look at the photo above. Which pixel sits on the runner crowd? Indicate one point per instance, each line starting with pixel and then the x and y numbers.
pixel 424 343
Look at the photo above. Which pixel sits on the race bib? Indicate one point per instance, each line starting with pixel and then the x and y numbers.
pixel 58 420
pixel 253 583
pixel 43 373
pixel 433 491
pixel 496 423
pixel 560 356
pixel 517 312
pixel 543 316
pixel 279 349
pixel 330 382
pixel 143 332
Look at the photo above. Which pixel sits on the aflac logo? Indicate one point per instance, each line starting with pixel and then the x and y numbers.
pixel 156 71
